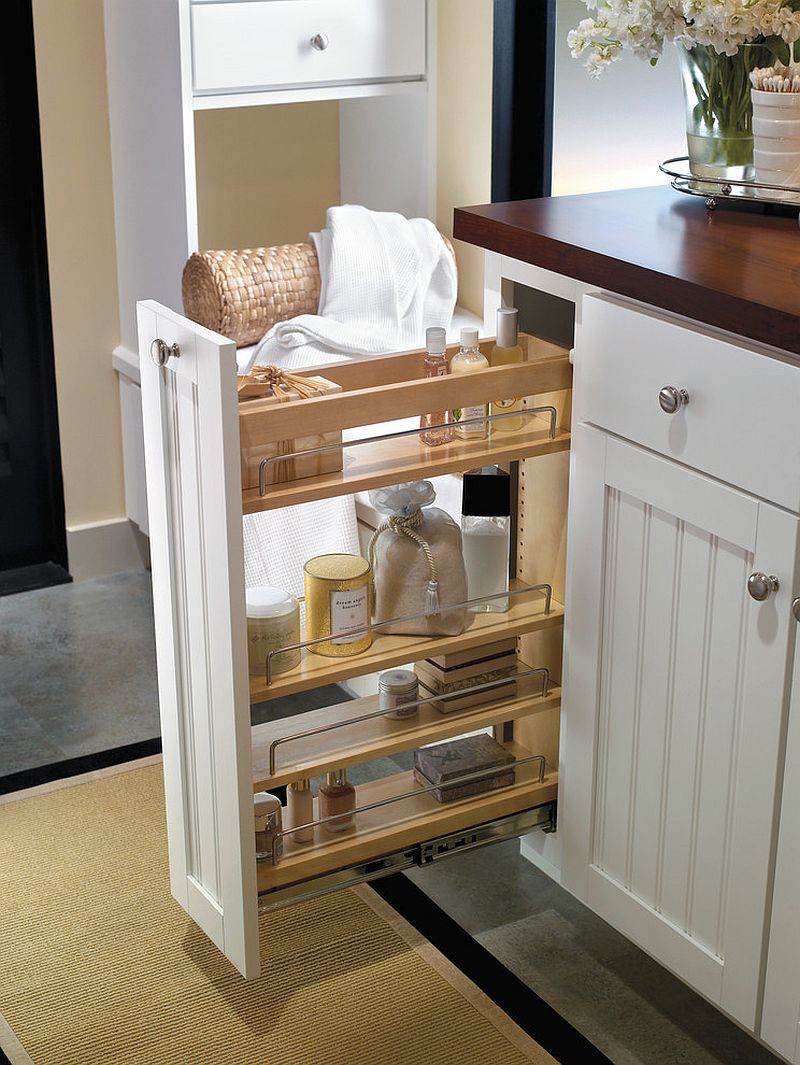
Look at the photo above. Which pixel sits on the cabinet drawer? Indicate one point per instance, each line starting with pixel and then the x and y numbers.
pixel 740 422
pixel 267 44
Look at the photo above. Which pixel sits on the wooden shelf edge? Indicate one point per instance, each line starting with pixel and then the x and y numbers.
pixel 316 671
pixel 362 473
pixel 408 822
pixel 380 737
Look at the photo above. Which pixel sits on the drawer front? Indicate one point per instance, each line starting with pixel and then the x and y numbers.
pixel 742 419
pixel 267 44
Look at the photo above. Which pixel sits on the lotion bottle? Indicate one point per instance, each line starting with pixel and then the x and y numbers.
pixel 470 360
pixel 300 810
pixel 486 537
pixel 507 351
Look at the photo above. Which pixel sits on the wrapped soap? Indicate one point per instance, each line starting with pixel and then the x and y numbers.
pixel 417 563
pixel 462 671
pixel 445 762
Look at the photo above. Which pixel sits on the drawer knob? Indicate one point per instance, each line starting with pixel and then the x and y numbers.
pixel 796 609
pixel 319 42
pixel 672 399
pixel 761 587
pixel 161 352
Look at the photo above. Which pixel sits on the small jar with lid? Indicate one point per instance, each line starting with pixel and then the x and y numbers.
pixel 338 604
pixel 397 688
pixel 268 822
pixel 273 621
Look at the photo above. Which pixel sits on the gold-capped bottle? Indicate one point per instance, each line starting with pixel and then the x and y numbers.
pixel 506 352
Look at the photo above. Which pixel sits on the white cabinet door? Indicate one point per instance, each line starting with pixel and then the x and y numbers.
pixel 674 696
pixel 191 433
pixel 780 1025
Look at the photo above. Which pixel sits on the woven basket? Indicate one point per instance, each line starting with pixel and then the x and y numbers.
pixel 242 294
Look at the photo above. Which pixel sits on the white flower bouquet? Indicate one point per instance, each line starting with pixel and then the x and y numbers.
pixel 720 42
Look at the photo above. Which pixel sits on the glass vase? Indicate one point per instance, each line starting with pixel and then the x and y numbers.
pixel 719 111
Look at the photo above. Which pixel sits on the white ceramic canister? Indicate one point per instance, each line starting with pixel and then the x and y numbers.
pixel 776 141
pixel 273 621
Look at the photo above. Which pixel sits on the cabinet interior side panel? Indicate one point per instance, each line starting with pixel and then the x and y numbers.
pixel 670 702
pixel 192 641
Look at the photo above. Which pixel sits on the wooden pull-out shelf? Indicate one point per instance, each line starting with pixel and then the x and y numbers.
pixel 409 459
pixel 403 823
pixel 380 737
pixel 392 387
pixel 525 614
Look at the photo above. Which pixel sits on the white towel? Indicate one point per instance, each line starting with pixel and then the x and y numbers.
pixel 385 279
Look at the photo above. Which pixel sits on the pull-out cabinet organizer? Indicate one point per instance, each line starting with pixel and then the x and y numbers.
pixel 213 759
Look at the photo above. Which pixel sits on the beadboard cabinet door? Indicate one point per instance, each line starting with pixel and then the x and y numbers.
pixel 191 433
pixel 675 692
pixel 780 1024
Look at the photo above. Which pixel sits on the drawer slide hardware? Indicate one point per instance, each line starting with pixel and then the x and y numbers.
pixel 420 854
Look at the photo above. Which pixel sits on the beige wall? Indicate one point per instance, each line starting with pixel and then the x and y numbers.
pixel 70 58
pixel 241 205
pixel 266 175
pixel 465 128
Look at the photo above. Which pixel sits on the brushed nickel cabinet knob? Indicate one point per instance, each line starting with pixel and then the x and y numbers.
pixel 761 587
pixel 671 399
pixel 796 609
pixel 319 42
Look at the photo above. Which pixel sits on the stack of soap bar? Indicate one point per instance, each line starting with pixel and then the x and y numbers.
pixel 462 670
pixel 444 762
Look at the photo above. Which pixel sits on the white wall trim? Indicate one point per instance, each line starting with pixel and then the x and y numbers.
pixel 105 547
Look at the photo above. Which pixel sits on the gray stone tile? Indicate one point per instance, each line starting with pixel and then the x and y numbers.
pixel 80 660
pixel 23 743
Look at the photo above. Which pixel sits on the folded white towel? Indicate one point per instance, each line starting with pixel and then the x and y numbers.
pixel 385 279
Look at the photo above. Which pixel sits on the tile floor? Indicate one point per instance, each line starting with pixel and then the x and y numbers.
pixel 77 675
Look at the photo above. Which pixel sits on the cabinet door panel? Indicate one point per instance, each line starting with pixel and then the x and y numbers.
pixel 780 1026
pixel 194 496
pixel 672 714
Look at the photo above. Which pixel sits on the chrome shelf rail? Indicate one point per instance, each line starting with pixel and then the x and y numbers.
pixel 475 689
pixel 465 778
pixel 399 435
pixel 375 626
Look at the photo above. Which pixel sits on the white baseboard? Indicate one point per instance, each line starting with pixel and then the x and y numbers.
pixel 543 849
pixel 105 547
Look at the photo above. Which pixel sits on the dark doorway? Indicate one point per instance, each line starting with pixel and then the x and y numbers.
pixel 522 99
pixel 33 548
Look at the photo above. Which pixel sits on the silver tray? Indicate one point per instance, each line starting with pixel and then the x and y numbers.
pixel 716 190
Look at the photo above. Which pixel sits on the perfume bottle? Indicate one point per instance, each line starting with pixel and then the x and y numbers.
pixel 506 352
pixel 337 796
pixel 436 366
pixel 300 810
pixel 486 536
pixel 470 360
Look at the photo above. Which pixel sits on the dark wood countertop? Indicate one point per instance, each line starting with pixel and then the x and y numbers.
pixel 734 269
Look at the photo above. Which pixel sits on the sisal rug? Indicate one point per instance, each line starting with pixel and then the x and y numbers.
pixel 100 966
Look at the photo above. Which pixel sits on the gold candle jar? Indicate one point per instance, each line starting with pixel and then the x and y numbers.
pixel 338 601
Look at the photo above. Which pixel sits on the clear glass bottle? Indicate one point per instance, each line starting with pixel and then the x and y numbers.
pixel 506 352
pixel 337 796
pixel 470 360
pixel 300 810
pixel 436 366
pixel 486 535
